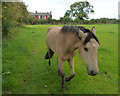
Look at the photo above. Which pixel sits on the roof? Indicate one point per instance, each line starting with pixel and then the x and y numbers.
pixel 40 13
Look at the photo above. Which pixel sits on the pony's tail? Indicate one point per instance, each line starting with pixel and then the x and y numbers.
pixel 49 55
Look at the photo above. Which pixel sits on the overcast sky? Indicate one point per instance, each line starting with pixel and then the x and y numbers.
pixel 103 8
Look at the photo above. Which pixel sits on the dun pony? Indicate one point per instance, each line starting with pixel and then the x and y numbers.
pixel 64 41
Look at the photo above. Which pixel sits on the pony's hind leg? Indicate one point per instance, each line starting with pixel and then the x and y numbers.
pixel 72 73
pixel 49 55
pixel 46 56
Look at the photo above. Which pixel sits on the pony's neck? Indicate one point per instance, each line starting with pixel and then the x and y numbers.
pixel 73 42
pixel 78 44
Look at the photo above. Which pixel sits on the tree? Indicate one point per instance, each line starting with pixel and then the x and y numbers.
pixel 68 14
pixel 65 19
pixel 80 10
pixel 13 14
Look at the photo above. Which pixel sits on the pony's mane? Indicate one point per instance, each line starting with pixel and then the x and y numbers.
pixel 74 29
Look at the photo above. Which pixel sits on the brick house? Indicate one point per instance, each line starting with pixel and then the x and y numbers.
pixel 41 15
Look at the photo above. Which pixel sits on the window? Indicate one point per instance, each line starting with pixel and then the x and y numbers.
pixel 43 17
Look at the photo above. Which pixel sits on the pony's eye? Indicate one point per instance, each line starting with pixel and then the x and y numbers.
pixel 86 49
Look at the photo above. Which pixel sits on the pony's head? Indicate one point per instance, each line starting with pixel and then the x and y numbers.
pixel 89 50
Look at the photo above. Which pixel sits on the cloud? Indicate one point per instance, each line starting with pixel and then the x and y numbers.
pixel 105 8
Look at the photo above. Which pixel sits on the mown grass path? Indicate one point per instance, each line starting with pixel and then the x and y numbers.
pixel 23 57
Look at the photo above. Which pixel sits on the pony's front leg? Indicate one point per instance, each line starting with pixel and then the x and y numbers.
pixel 72 73
pixel 61 72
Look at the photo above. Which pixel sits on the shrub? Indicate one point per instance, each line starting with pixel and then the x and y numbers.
pixel 13 14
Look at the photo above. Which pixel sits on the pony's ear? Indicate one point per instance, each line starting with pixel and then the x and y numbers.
pixel 93 30
pixel 81 33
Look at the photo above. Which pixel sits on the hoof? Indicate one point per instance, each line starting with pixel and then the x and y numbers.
pixel 67 79
pixel 63 89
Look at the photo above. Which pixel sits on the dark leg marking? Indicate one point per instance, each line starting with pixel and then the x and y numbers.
pixel 51 54
pixel 60 74
pixel 70 66
pixel 69 78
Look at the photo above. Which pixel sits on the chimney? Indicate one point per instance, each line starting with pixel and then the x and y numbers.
pixel 50 12
pixel 36 12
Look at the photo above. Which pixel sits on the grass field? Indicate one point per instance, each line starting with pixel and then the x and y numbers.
pixel 25 71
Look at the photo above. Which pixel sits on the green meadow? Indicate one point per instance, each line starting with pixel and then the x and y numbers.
pixel 25 71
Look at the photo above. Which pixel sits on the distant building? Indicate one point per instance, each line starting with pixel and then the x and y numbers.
pixel 41 15
pixel 119 10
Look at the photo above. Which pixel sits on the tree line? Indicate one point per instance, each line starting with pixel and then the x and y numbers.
pixel 72 22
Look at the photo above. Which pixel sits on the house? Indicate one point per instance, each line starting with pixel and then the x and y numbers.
pixel 41 15
pixel 119 10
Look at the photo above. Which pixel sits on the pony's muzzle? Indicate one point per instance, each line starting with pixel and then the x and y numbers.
pixel 92 72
